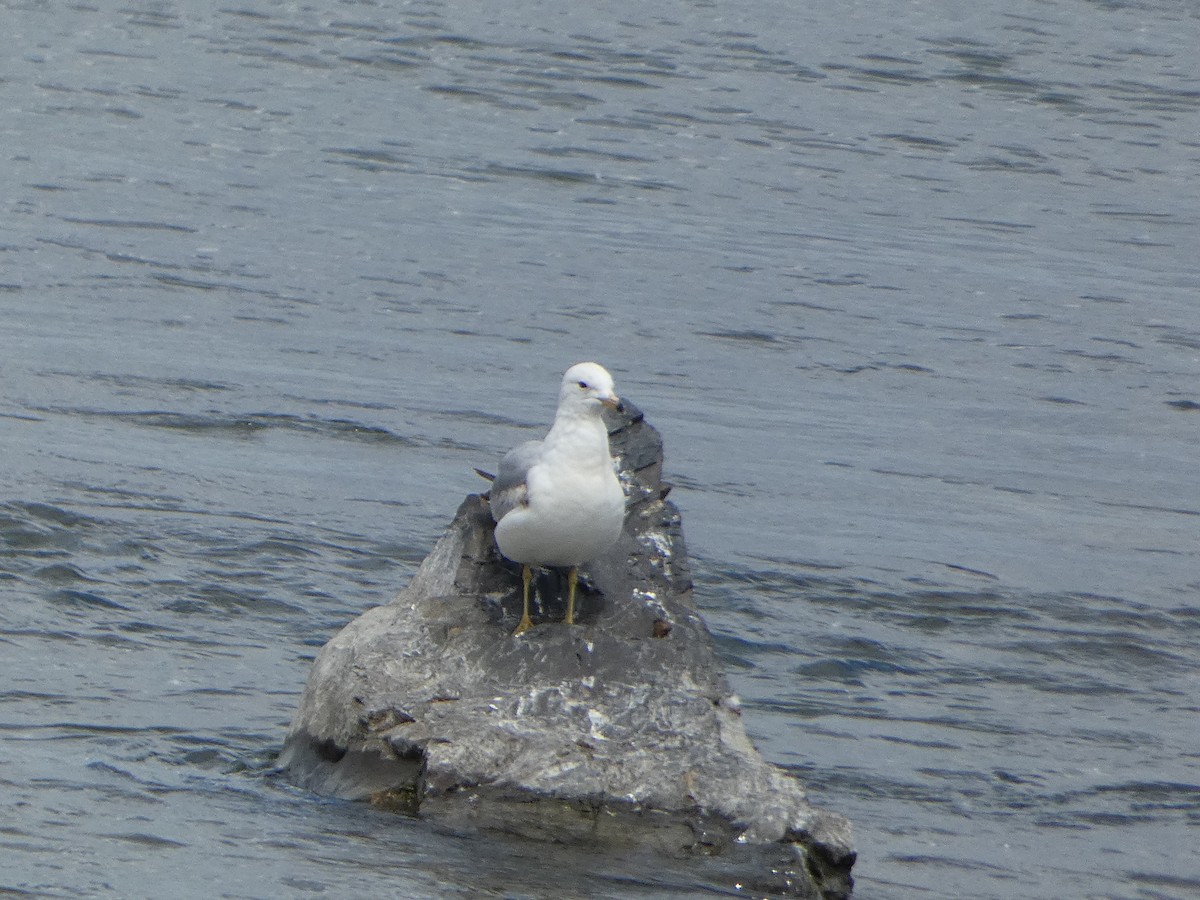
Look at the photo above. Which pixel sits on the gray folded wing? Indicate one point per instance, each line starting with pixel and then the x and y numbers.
pixel 509 490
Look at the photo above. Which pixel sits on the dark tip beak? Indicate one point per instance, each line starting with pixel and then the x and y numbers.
pixel 614 402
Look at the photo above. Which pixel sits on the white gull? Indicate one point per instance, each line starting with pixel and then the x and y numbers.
pixel 557 502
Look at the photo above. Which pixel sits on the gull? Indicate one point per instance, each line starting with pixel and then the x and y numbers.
pixel 557 502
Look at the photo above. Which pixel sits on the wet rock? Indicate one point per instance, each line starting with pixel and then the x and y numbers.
pixel 621 729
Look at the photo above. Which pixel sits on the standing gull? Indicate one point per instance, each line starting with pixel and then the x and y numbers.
pixel 557 502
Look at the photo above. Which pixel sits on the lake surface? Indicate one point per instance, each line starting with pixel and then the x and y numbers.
pixel 912 291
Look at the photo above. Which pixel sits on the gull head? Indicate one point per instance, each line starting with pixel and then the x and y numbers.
pixel 587 386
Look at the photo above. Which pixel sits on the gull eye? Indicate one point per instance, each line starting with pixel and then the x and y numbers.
pixel 583 384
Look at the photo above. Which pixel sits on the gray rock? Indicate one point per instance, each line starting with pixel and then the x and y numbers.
pixel 620 729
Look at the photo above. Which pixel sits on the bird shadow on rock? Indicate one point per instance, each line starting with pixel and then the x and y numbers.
pixel 547 598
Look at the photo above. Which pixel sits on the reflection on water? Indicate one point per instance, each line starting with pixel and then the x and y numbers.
pixel 913 308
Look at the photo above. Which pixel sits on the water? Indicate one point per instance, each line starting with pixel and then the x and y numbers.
pixel 909 288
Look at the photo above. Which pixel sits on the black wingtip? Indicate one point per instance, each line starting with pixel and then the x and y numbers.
pixel 487 476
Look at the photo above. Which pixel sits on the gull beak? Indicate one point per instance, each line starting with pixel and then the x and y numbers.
pixel 612 401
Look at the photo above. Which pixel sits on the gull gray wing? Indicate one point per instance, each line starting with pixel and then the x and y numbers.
pixel 508 490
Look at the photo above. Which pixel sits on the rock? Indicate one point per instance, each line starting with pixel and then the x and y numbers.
pixel 620 729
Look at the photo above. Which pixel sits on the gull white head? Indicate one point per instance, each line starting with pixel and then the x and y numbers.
pixel 587 386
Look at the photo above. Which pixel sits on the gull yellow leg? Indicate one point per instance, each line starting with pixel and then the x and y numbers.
pixel 526 623
pixel 572 577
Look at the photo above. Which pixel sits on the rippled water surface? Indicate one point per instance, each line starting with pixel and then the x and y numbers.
pixel 911 290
